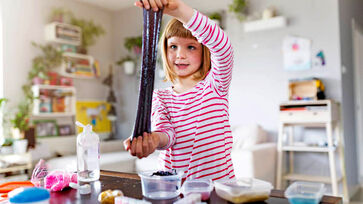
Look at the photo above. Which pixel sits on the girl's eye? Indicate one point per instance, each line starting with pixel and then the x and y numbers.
pixel 172 46
pixel 190 47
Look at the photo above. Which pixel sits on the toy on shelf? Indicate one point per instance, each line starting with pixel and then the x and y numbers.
pixel 306 89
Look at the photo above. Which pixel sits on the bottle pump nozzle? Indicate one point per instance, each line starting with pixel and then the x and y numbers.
pixel 86 128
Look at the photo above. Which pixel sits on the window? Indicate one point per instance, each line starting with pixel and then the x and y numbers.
pixel 1 73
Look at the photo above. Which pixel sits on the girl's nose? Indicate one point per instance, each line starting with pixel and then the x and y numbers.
pixel 180 54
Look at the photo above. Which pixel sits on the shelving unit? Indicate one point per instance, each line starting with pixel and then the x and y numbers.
pixel 275 22
pixel 63 33
pixel 321 113
pixel 77 65
pixel 55 104
pixel 43 106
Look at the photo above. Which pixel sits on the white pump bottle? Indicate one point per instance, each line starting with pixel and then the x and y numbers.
pixel 88 154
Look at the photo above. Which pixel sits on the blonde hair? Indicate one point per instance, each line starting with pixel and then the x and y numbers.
pixel 175 28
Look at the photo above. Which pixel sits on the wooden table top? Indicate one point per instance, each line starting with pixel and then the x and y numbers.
pixel 130 185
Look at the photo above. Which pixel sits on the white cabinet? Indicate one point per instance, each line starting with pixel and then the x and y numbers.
pixel 54 101
pixel 320 113
pixel 63 33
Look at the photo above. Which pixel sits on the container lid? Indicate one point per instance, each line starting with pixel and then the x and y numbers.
pixel 191 186
pixel 242 186
pixel 301 189
pixel 26 195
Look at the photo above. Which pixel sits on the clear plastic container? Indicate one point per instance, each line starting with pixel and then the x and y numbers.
pixel 160 187
pixel 305 192
pixel 203 187
pixel 243 190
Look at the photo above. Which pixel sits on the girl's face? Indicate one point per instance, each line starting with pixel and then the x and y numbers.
pixel 184 56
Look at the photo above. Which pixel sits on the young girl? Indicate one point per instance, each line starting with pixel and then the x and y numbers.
pixel 190 120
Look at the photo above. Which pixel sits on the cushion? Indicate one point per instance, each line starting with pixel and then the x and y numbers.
pixel 245 136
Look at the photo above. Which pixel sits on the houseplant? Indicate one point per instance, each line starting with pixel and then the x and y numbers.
pixel 21 120
pixel 216 17
pixel 134 44
pixel 128 63
pixel 60 15
pixel 41 65
pixel 238 8
pixel 90 31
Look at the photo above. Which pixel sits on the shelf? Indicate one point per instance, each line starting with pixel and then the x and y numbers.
pixel 15 168
pixel 307 149
pixel 302 177
pixel 275 22
pixel 24 161
pixel 78 66
pixel 63 33
pixel 53 114
pixel 54 101
pixel 55 87
pixel 308 112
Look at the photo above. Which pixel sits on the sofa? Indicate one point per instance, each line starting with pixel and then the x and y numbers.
pixel 252 155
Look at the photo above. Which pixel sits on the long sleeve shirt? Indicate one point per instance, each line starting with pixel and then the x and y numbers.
pixel 196 122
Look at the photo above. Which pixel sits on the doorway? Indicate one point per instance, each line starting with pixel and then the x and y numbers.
pixel 357 31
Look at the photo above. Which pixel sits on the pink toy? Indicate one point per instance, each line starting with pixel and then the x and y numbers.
pixel 58 180
pixel 39 173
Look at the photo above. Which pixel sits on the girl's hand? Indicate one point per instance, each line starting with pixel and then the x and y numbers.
pixel 175 8
pixel 142 146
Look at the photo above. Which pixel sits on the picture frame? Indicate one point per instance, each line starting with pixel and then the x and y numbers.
pixel 45 128
pixel 64 130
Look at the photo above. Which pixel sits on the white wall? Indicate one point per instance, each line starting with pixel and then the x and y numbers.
pixel 24 21
pixel 259 82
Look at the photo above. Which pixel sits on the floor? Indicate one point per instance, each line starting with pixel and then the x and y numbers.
pixel 358 197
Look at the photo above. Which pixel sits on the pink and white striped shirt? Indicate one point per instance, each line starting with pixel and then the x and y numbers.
pixel 197 121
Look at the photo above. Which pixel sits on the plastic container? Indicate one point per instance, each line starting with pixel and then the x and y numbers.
pixel 88 154
pixel 243 190
pixel 203 187
pixel 305 192
pixel 160 187
pixel 32 195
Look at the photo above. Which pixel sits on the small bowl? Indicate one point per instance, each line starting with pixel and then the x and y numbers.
pixel 203 187
pixel 305 192
pixel 160 187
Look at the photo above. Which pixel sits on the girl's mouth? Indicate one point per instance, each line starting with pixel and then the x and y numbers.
pixel 181 66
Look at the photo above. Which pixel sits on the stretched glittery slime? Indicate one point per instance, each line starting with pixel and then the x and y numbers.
pixel 152 22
